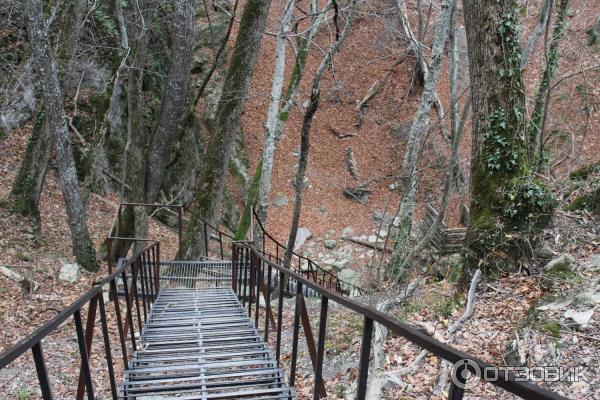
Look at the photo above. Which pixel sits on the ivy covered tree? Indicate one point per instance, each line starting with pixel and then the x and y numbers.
pixel 508 202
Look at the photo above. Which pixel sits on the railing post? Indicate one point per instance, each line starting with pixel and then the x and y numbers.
pixel 122 333
pixel 180 224
pixel 320 349
pixel 157 268
pixel 205 240
pixel 234 267
pixel 365 351
pixel 268 311
pixel 457 392
pixel 107 350
pixel 295 335
pixel 279 318
pixel 42 371
pixel 85 362
pixel 221 244
pixel 257 281
pixel 89 336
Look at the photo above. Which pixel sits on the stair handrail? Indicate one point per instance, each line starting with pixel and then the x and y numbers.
pixel 254 288
pixel 143 268
pixel 313 268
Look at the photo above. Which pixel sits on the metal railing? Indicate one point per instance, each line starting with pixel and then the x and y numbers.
pixel 250 288
pixel 274 251
pixel 142 291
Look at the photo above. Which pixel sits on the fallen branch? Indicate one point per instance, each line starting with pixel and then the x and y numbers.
pixel 455 327
pixel 379 378
pixel 366 244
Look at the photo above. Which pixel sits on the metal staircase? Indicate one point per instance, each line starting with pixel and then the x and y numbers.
pixel 200 344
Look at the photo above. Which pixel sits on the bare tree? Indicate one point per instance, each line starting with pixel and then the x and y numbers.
pixel 542 100
pixel 409 166
pixel 173 103
pixel 278 111
pixel 305 132
pixel 209 191
pixel 47 76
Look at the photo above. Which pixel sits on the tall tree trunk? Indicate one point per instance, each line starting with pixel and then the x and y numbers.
pixel 543 19
pixel 409 165
pixel 57 124
pixel 305 132
pixel 278 113
pixel 542 100
pixel 507 200
pixel 25 194
pixel 209 191
pixel 174 98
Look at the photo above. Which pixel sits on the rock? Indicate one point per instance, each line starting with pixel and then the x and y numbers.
pixel 563 263
pixel 555 306
pixel 341 264
pixel 544 252
pixel 302 236
pixel 594 262
pixel 347 231
pixel 69 273
pixel 329 243
pixel 372 239
pixel 349 276
pixel 280 200
pixel 392 186
pixel 589 297
pixel 582 318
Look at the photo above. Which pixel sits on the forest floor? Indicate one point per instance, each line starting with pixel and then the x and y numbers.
pixel 504 303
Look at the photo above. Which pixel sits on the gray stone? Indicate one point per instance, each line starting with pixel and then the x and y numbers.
pixel 563 263
pixel 594 261
pixel 329 243
pixel 372 238
pixel 582 318
pixel 280 200
pixel 349 276
pixel 544 252
pixel 341 264
pixel 302 236
pixel 69 273
pixel 347 231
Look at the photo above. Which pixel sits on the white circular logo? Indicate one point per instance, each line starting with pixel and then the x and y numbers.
pixel 465 373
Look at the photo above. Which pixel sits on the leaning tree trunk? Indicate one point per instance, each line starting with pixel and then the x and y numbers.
pixel 173 104
pixel 507 201
pixel 305 134
pixel 542 100
pixel 419 125
pixel 209 192
pixel 278 114
pixel 57 124
pixel 25 194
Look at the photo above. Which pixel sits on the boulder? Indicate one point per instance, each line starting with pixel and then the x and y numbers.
pixel 330 243
pixel 302 236
pixel 582 318
pixel 347 231
pixel 280 200
pixel 349 276
pixel 69 273
pixel 563 263
pixel 372 238
pixel 544 252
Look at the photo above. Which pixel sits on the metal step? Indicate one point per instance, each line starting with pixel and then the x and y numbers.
pixel 200 344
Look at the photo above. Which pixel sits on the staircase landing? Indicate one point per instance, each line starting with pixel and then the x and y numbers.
pixel 200 344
